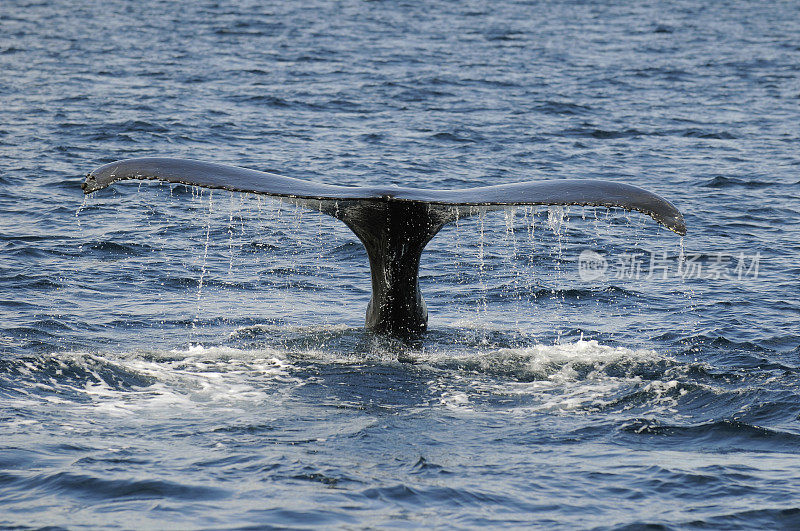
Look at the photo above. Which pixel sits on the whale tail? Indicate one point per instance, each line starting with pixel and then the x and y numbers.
pixel 394 224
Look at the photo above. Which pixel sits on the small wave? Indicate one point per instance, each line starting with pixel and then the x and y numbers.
pixel 713 135
pixel 86 486
pixel 267 100
pixel 421 496
pixel 656 392
pixel 25 238
pixel 135 126
pixel 317 477
pixel 180 283
pixel 249 429
pixel 51 324
pixel 23 282
pixel 459 137
pixel 283 328
pixel 605 134
pixel 721 181
pixel 350 250
pixel 502 35
pixel 601 294
pixel 669 74
pixel 727 435
pixel 109 248
pixel 772 518
pixel 65 374
pixel 423 466
pixel 415 94
pixel 260 247
pixel 559 108
pixel 720 341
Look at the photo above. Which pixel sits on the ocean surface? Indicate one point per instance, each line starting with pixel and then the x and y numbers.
pixel 172 357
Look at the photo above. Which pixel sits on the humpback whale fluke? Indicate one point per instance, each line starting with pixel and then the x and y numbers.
pixel 393 223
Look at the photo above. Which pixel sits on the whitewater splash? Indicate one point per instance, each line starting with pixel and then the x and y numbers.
pixel 577 376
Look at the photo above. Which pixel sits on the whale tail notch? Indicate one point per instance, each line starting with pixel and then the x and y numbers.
pixel 394 224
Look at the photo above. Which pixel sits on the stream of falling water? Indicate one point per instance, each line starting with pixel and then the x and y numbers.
pixel 482 306
pixel 265 260
pixel 205 250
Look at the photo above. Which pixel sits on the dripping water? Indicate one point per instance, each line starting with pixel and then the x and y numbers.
pixel 80 209
pixel 231 227
pixel 457 261
pixel 511 237
pixel 482 303
pixel 205 256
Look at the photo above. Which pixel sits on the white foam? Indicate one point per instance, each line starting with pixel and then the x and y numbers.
pixel 454 399
pixel 560 377
pixel 198 380
pixel 190 379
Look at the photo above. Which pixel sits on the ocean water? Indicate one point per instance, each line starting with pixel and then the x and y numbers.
pixel 173 357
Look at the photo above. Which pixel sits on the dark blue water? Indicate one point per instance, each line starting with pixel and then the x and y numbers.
pixel 172 357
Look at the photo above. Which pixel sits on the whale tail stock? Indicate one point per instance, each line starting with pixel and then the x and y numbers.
pixel 394 224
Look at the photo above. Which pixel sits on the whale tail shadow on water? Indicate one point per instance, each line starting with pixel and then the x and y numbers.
pixel 393 223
